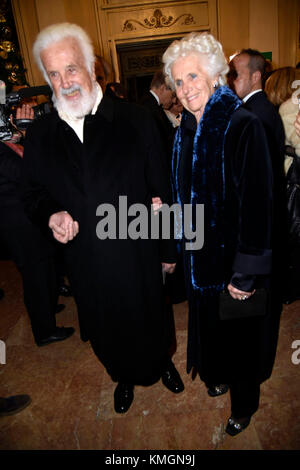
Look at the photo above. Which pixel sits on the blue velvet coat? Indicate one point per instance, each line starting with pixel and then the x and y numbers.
pixel 225 164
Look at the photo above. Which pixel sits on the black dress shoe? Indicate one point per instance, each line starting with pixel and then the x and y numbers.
pixel 217 390
pixel 123 397
pixel 235 426
pixel 14 404
pixel 171 379
pixel 59 335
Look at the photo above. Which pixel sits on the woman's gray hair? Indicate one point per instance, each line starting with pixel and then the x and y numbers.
pixel 57 32
pixel 201 44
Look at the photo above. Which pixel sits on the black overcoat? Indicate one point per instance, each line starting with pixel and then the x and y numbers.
pixel 117 283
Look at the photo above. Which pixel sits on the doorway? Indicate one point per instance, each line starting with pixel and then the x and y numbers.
pixel 137 64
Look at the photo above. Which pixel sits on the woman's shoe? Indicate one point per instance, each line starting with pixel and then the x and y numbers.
pixel 235 426
pixel 217 390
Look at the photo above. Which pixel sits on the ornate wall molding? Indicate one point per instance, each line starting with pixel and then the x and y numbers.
pixel 158 20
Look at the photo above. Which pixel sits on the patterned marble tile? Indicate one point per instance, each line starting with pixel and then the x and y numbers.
pixel 72 395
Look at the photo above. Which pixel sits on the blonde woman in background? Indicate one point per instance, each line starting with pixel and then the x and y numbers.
pixel 281 91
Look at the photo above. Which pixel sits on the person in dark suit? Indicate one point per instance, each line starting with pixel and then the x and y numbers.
pixel 160 97
pixel 81 161
pixel 31 251
pixel 249 68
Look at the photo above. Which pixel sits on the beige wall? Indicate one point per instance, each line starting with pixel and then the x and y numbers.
pixel 33 15
pixel 267 25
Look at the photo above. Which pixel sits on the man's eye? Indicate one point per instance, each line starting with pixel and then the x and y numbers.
pixel 178 83
pixel 193 75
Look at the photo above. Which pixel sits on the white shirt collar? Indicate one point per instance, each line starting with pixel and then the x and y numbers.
pixel 251 94
pixel 77 124
pixel 155 96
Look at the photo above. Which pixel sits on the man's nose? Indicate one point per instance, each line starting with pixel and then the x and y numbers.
pixel 65 81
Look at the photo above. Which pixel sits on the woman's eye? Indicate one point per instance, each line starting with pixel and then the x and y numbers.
pixel 193 75
pixel 178 83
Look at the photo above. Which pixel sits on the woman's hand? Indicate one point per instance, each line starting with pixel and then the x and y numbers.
pixel 239 294
pixel 168 268
pixel 156 204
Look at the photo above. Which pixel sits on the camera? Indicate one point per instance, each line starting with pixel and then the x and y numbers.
pixel 9 103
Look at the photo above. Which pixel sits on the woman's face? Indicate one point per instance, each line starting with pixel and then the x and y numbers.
pixel 193 85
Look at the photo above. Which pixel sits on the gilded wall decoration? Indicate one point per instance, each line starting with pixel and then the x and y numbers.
pixel 158 20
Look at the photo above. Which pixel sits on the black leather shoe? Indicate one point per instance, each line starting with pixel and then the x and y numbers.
pixel 123 397
pixel 235 426
pixel 171 379
pixel 59 335
pixel 12 405
pixel 217 390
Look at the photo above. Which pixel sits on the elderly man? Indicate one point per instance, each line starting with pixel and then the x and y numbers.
pixel 80 162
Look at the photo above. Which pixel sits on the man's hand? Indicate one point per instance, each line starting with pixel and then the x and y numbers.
pixel 63 227
pixel 168 268
pixel 297 124
pixel 25 112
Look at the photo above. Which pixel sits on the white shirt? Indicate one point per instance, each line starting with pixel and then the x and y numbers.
pixel 250 94
pixel 77 124
pixel 155 96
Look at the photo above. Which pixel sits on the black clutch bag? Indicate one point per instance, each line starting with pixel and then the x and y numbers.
pixel 254 306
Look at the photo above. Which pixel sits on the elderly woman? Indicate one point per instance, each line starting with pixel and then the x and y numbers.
pixel 221 160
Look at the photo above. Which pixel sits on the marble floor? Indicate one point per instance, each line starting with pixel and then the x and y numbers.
pixel 72 395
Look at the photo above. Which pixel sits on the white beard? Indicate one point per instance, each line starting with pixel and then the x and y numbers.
pixel 79 108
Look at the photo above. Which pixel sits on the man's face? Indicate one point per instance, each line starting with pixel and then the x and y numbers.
pixel 166 97
pixel 71 81
pixel 242 83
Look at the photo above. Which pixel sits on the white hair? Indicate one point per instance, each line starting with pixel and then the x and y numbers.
pixel 202 44
pixel 56 33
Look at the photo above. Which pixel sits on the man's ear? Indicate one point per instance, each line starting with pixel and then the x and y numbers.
pixel 256 77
